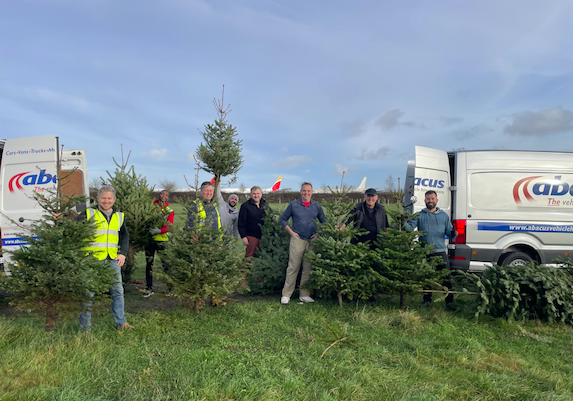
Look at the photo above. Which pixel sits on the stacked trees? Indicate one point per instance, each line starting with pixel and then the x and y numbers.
pixel 52 274
pixel 338 266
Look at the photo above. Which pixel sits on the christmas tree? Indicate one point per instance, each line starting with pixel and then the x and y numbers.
pixel 134 199
pixel 52 274
pixel 268 267
pixel 403 262
pixel 203 265
pixel 338 266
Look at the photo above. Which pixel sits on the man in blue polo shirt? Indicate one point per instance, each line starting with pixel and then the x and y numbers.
pixel 304 213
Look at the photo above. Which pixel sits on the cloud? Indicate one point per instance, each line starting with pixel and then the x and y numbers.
pixel 390 119
pixel 158 154
pixel 307 171
pixel 543 122
pixel 339 169
pixel 284 150
pixel 355 128
pixel 293 161
pixel 475 131
pixel 374 154
pixel 451 120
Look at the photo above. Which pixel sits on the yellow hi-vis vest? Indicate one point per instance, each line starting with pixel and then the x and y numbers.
pixel 163 237
pixel 106 240
pixel 202 215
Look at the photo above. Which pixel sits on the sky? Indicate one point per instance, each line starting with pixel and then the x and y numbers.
pixel 315 87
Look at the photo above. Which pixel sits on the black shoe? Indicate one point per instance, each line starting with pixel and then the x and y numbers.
pixel 451 307
pixel 426 304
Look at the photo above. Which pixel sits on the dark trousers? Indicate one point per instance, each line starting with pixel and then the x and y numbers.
pixel 444 265
pixel 252 247
pixel 150 250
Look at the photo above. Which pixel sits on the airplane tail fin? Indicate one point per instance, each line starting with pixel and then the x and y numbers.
pixel 277 185
pixel 362 186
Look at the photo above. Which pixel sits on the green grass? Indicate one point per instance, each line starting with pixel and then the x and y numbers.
pixel 264 351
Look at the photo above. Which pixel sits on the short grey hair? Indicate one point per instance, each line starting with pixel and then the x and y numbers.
pixel 305 183
pixel 106 188
pixel 254 188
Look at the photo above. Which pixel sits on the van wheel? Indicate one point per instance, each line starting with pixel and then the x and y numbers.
pixel 516 259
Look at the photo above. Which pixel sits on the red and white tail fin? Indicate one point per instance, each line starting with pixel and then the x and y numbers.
pixel 212 181
pixel 277 184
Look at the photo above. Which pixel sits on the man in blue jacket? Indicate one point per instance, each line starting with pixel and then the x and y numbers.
pixel 436 225
pixel 304 213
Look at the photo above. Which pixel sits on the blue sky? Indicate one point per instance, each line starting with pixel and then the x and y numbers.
pixel 315 87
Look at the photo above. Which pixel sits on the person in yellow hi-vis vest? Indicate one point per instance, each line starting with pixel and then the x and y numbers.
pixel 110 245
pixel 204 209
pixel 159 238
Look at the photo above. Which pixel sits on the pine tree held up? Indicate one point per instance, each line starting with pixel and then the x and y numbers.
pixel 220 153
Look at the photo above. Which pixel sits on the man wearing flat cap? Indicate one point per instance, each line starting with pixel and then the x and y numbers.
pixel 370 216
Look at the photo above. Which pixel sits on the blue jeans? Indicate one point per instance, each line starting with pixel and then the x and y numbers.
pixel 117 302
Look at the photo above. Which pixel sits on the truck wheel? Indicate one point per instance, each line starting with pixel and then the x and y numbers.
pixel 516 259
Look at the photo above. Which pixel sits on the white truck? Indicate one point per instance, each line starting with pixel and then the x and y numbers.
pixel 508 207
pixel 29 165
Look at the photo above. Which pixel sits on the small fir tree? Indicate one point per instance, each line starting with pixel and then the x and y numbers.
pixel 52 274
pixel 338 266
pixel 268 267
pixel 221 151
pixel 203 265
pixel 403 262
pixel 134 199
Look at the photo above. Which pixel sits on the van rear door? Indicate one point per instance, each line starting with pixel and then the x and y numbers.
pixel 28 166
pixel 431 172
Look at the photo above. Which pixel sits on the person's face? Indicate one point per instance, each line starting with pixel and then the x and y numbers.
pixel 370 200
pixel 306 193
pixel 207 193
pixel 256 195
pixel 233 202
pixel 164 196
pixel 431 201
pixel 106 201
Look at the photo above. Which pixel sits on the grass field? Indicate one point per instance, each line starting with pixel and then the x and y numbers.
pixel 261 350
pixel 256 349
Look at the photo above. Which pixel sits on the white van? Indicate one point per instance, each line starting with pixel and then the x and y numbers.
pixel 29 165
pixel 508 207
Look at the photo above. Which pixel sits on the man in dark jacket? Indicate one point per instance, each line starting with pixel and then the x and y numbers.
pixel 370 216
pixel 251 219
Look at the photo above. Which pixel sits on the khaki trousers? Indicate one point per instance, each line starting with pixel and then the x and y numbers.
pixel 297 249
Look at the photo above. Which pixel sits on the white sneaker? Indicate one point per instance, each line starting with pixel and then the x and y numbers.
pixel 284 300
pixel 306 299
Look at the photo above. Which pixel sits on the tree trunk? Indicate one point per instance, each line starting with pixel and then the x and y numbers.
pixel 340 300
pixel 402 301
pixel 51 316
pixel 129 265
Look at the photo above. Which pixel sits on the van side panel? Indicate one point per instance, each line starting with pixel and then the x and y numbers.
pixel 28 166
pixel 515 202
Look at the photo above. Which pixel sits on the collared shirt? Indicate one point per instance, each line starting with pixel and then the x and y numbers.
pixel 303 218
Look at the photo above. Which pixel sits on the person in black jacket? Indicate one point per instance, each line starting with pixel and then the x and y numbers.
pixel 370 216
pixel 251 219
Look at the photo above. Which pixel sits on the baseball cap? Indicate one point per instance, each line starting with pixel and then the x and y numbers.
pixel 371 192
